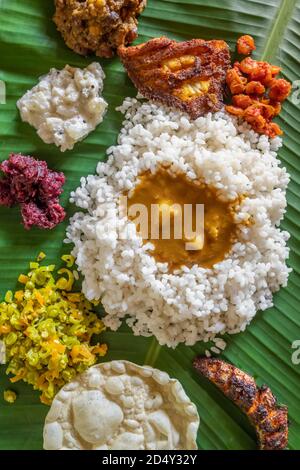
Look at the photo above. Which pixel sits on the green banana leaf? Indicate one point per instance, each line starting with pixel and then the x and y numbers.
pixel 29 47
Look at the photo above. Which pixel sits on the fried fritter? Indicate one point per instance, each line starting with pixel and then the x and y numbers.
pixel 269 419
pixel 188 75
pixel 97 26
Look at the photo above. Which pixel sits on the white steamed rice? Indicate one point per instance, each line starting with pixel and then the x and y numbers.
pixel 193 303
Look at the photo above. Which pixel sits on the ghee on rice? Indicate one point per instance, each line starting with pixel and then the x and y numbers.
pixel 194 303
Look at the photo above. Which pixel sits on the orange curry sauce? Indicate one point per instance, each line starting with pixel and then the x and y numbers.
pixel 164 189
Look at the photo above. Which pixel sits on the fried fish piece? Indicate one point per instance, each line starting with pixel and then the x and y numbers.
pixel 260 405
pixel 188 75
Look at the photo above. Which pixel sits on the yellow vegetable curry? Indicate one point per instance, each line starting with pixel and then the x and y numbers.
pixel 169 193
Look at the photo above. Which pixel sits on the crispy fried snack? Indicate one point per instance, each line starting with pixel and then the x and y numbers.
pixel 98 26
pixel 188 75
pixel 245 45
pixel 269 419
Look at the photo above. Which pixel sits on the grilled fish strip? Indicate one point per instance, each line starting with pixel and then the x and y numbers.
pixel 188 75
pixel 269 419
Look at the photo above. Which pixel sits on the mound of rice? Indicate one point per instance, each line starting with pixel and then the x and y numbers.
pixel 190 304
